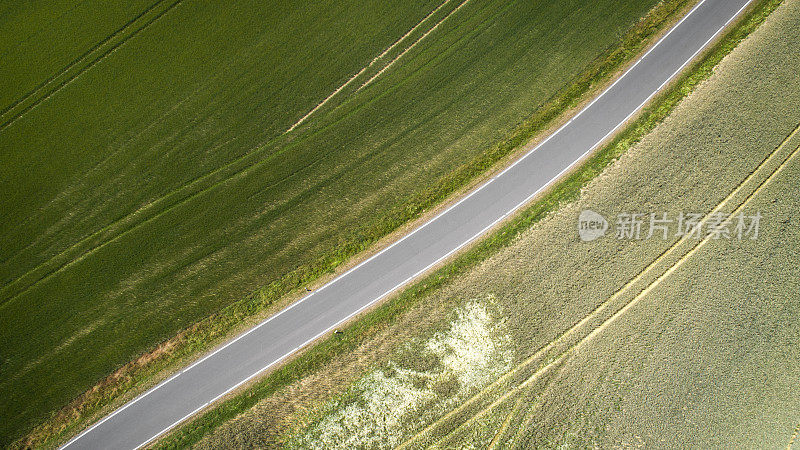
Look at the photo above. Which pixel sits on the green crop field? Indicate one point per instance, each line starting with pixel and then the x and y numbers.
pixel 160 165
pixel 676 342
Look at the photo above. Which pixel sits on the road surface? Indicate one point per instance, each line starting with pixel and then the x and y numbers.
pixel 194 388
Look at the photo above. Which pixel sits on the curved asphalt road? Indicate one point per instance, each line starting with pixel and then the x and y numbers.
pixel 153 413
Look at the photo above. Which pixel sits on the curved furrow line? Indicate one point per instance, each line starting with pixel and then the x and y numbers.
pixel 643 293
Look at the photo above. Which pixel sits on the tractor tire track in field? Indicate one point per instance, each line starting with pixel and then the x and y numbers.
pixel 498 436
pixel 70 190
pixel 120 227
pixel 298 198
pixel 410 47
pixel 376 59
pixel 525 421
pixel 794 437
pixel 556 351
pixel 86 61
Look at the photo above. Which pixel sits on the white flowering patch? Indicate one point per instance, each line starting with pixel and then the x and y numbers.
pixel 473 349
pixel 385 405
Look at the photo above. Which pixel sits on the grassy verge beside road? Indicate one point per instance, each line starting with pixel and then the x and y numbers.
pixel 448 279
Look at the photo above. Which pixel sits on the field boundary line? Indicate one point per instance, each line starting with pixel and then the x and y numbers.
pixel 540 354
pixel 608 322
pixel 99 48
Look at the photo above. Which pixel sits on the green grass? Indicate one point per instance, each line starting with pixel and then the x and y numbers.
pixel 710 351
pixel 37 42
pixel 157 187
pixel 517 272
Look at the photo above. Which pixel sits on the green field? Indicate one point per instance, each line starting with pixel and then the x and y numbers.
pixel 679 342
pixel 147 179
